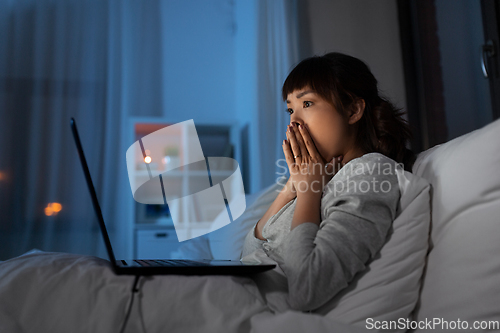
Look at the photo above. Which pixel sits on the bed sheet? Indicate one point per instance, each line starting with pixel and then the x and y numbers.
pixel 58 292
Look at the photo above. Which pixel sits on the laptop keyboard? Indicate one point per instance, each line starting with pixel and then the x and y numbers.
pixel 169 263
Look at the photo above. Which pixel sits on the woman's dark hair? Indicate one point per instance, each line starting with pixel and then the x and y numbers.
pixel 341 79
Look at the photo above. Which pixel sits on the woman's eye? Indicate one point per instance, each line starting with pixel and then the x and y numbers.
pixel 290 111
pixel 307 104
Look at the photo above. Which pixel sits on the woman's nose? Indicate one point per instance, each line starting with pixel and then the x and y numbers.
pixel 294 119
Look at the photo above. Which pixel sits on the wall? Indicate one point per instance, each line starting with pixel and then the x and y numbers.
pixel 368 30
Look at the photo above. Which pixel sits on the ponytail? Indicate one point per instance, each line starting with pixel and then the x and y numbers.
pixel 388 132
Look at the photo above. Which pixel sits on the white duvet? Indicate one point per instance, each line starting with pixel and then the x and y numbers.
pixel 57 292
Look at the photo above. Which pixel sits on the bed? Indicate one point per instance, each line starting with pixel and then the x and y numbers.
pixel 447 224
pixel 61 292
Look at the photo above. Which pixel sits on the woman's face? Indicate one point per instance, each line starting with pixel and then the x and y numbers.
pixel 331 132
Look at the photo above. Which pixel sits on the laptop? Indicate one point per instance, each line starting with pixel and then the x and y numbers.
pixel 166 266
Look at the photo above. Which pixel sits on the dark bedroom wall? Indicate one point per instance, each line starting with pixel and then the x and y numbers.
pixel 368 30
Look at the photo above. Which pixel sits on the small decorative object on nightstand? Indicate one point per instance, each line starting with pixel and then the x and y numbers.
pixel 171 159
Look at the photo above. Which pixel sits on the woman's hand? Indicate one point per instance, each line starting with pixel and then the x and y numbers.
pixel 309 172
pixel 288 191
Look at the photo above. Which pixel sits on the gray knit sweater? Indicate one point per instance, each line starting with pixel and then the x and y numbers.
pixel 357 209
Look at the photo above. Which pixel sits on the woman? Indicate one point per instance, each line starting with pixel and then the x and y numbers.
pixel 343 145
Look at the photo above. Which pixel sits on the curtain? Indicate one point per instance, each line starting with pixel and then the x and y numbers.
pixel 278 53
pixel 88 59
pixel 101 63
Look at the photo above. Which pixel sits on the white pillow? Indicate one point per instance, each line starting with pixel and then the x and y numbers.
pixel 462 279
pixel 388 289
pixel 227 242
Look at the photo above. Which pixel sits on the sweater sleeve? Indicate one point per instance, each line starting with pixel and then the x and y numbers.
pixel 357 211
